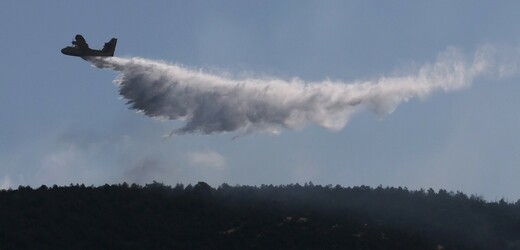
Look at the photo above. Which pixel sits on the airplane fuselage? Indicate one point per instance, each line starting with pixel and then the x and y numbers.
pixel 76 51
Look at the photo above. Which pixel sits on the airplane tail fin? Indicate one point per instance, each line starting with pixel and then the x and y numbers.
pixel 110 47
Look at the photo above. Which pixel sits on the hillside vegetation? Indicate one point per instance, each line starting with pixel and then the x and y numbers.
pixel 156 216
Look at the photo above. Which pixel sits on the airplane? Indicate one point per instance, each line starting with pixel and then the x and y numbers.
pixel 80 48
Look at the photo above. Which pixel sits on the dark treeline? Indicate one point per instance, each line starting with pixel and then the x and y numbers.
pixel 156 216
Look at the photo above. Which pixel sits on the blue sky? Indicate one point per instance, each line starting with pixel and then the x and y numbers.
pixel 62 121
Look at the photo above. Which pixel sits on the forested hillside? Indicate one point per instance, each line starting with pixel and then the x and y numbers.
pixel 156 216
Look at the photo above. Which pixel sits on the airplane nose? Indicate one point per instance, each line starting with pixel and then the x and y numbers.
pixel 66 51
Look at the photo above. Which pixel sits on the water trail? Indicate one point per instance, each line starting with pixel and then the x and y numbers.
pixel 209 103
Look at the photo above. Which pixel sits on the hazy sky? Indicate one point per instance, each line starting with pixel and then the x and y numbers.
pixel 62 121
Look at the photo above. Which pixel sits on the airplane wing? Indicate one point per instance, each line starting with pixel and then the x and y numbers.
pixel 80 42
